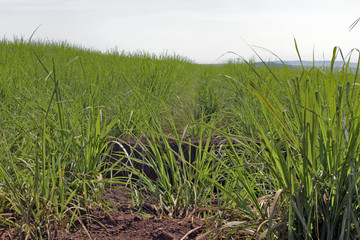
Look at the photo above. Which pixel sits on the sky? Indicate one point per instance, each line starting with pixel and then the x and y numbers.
pixel 204 31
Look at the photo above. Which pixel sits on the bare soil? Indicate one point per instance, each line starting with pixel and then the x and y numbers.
pixel 123 223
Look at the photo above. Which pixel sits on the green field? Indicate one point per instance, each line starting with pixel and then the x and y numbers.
pixel 295 174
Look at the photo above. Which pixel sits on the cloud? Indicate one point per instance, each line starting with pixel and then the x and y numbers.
pixel 49 5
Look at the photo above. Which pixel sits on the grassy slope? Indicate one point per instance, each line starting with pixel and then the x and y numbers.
pixel 59 103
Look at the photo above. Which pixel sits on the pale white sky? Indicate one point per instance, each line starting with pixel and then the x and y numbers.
pixel 201 30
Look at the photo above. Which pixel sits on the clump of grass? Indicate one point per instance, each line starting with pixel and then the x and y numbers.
pixel 51 159
pixel 208 98
pixel 182 182
pixel 314 163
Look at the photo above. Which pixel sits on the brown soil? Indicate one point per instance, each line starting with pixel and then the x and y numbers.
pixel 123 223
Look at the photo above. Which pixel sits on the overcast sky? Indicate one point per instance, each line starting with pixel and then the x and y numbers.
pixel 201 30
